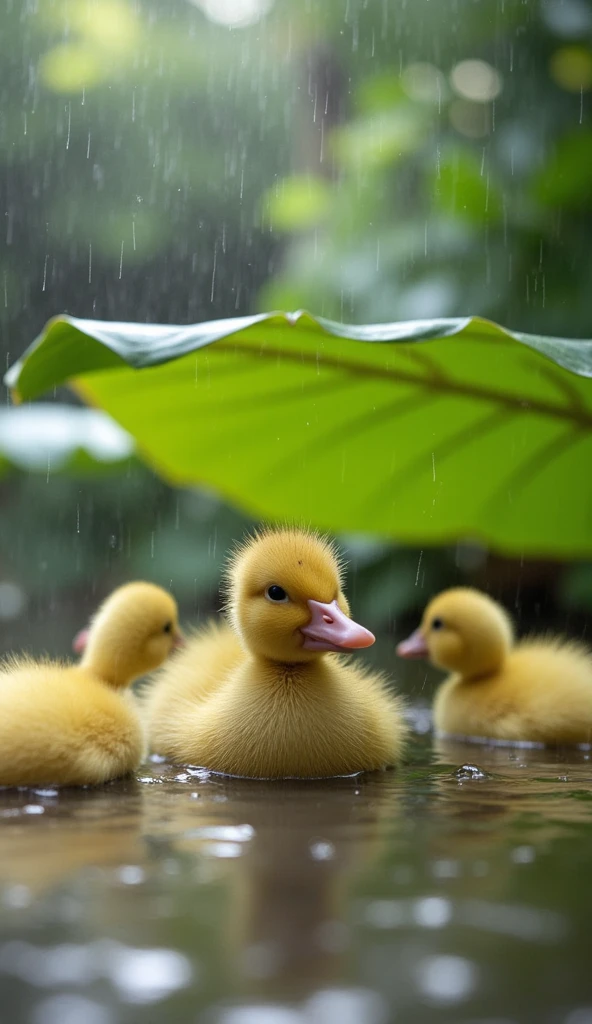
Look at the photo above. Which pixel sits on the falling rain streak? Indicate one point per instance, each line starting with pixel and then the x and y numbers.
pixel 372 162
pixel 418 567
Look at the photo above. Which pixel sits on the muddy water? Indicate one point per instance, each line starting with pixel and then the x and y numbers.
pixel 435 893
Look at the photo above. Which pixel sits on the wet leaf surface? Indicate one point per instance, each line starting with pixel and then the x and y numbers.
pixel 382 429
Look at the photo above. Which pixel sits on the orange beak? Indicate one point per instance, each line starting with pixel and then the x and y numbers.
pixel 330 630
pixel 413 647
pixel 80 641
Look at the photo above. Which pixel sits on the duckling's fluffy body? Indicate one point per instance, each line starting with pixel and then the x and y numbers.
pixel 263 699
pixel 543 694
pixel 215 706
pixel 58 723
pixel 538 690
pixel 75 724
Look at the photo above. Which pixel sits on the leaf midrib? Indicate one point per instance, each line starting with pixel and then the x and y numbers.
pixel 440 384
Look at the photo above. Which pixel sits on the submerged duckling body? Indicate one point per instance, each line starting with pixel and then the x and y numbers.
pixel 537 690
pixel 269 696
pixel 76 724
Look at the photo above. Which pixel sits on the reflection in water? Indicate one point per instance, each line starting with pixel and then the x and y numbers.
pixel 448 891
pixel 298 845
pixel 72 829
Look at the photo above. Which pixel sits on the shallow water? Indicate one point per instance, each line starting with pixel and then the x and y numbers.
pixel 434 893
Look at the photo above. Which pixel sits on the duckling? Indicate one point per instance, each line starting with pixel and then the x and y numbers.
pixel 73 724
pixel 537 691
pixel 267 695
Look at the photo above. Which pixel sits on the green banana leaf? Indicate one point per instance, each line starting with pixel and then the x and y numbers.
pixel 52 438
pixel 425 432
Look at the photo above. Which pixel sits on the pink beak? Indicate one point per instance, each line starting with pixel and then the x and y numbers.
pixel 179 640
pixel 80 641
pixel 330 630
pixel 413 647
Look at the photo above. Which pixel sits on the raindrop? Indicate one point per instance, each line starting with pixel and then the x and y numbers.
pixel 523 855
pixel 224 833
pixel 348 1006
pixel 12 601
pixel 432 912
pixel 418 568
pixel 470 772
pixel 213 274
pixel 445 980
pixel 148 975
pixel 70 1009
pixel 321 849
pixel 264 1014
pixel 131 874
pixel 224 850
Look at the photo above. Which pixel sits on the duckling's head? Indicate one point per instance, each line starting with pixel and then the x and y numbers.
pixel 464 631
pixel 132 633
pixel 285 598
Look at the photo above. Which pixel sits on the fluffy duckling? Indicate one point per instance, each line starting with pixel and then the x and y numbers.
pixel 73 724
pixel 537 691
pixel 268 697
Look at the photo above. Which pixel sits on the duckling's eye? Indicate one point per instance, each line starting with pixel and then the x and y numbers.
pixel 277 594
pixel 437 623
pixel 168 628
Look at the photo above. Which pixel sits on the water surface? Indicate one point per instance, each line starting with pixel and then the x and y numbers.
pixel 422 895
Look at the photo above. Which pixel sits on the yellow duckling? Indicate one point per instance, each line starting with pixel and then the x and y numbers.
pixel 269 698
pixel 536 691
pixel 73 724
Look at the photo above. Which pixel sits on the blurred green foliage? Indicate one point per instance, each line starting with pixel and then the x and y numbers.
pixel 460 182
pixel 159 165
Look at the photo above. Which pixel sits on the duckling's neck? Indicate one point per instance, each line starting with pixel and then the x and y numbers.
pixel 294 673
pixel 483 663
pixel 112 669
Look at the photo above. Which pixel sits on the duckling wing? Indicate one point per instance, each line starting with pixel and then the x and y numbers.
pixel 190 678
pixel 552 685
pixel 543 694
pixel 59 724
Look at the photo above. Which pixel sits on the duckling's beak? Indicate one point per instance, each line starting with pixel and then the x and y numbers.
pixel 178 639
pixel 80 641
pixel 413 647
pixel 330 630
